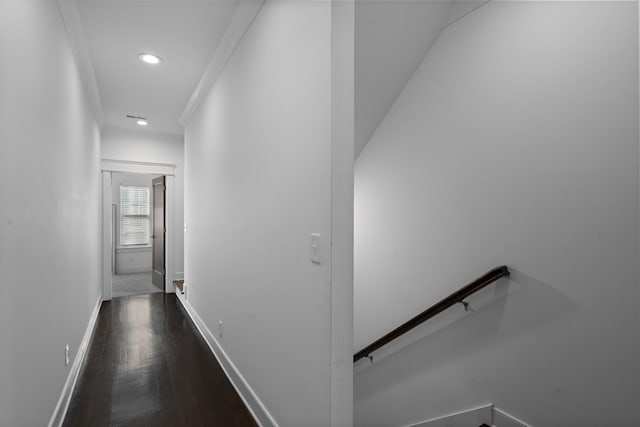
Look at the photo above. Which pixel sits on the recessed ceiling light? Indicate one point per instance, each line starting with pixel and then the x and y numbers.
pixel 150 58
pixel 142 122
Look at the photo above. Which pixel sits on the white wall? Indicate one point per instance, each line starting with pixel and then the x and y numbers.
pixel 119 144
pixel 516 142
pixel 130 259
pixel 391 39
pixel 49 215
pixel 133 260
pixel 258 173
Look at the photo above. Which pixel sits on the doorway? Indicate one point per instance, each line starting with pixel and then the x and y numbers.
pixel 137 228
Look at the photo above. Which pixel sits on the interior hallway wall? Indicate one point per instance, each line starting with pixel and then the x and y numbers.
pixel 142 146
pixel 258 165
pixel 50 211
pixel 515 142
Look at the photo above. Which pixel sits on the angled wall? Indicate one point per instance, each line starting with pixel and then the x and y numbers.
pixel 515 142
pixel 50 210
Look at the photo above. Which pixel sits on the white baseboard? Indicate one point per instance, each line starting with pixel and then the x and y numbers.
pixel 502 419
pixel 65 397
pixel 469 417
pixel 474 417
pixel 248 396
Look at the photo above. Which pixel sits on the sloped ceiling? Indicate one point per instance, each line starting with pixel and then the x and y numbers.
pixel 392 39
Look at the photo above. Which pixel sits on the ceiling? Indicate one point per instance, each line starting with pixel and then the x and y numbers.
pixel 185 34
pixel 196 37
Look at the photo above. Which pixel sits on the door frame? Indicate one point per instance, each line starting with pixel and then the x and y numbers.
pixel 108 167
pixel 156 235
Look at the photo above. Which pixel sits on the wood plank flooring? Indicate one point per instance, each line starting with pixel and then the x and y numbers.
pixel 148 366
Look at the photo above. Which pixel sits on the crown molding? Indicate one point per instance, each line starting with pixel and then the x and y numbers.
pixel 244 15
pixel 75 33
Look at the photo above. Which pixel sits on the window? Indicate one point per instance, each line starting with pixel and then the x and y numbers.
pixel 135 216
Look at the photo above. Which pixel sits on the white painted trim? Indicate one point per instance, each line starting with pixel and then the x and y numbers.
pixel 342 187
pixel 126 166
pixel 178 275
pixel 246 393
pixel 243 17
pixel 67 391
pixel 168 241
pixel 75 33
pixel 462 418
pixel 107 253
pixel 439 420
pixel 510 417
pixel 133 249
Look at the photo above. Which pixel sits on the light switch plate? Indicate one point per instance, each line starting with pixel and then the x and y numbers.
pixel 316 248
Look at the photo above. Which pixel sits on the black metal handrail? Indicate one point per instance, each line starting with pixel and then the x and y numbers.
pixel 457 297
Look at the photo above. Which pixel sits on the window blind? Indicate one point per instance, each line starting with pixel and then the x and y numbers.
pixel 135 220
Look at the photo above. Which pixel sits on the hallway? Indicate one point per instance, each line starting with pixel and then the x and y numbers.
pixel 332 168
pixel 147 365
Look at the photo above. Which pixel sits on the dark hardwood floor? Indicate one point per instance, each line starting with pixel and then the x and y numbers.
pixel 148 366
